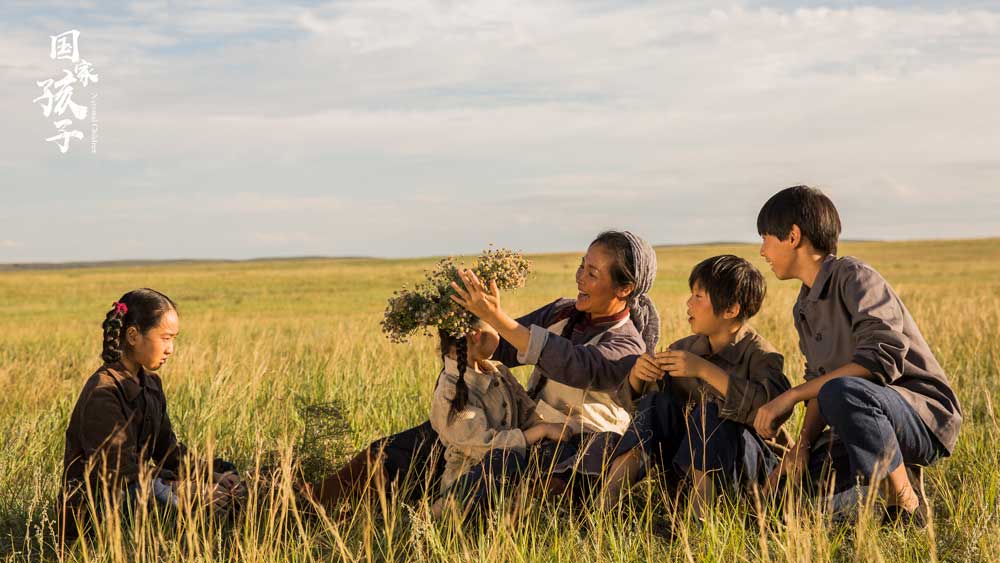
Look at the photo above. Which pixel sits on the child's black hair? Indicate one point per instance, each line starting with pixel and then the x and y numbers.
pixel 806 207
pixel 141 308
pixel 730 280
pixel 461 346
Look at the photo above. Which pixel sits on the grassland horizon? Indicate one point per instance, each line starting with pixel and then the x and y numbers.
pixel 181 260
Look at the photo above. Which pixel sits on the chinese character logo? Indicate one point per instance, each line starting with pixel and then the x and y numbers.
pixel 57 94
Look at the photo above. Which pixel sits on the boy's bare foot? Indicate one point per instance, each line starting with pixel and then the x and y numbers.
pixel 895 516
pixel 908 507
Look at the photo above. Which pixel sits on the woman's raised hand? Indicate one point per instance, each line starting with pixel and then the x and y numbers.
pixel 474 297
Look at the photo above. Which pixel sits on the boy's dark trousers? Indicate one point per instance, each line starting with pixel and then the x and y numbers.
pixel 875 430
pixel 699 439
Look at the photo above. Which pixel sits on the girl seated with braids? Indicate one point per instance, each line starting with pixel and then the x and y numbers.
pixel 484 418
pixel 120 424
pixel 480 412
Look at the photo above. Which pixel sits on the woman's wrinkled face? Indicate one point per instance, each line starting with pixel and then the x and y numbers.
pixel 597 293
pixel 152 348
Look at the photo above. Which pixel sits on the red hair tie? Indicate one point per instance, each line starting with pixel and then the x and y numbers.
pixel 120 307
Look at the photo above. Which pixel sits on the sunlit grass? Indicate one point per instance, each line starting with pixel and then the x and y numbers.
pixel 263 345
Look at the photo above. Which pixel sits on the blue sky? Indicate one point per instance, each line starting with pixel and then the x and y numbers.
pixel 412 128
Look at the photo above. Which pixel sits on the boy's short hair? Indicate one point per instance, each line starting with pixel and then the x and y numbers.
pixel 806 207
pixel 730 280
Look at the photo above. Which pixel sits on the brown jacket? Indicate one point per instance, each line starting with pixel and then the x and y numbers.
pixel 851 314
pixel 755 369
pixel 119 424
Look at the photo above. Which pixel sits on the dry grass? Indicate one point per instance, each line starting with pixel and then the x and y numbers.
pixel 263 343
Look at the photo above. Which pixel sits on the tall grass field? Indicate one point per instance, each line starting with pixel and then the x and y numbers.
pixel 283 364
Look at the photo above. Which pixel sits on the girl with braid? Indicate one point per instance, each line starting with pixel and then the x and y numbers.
pixel 582 349
pixel 120 422
pixel 484 418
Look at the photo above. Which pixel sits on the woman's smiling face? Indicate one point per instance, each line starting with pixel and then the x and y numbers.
pixel 597 292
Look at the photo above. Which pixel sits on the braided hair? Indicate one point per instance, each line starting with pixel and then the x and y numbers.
pixel 461 345
pixel 141 308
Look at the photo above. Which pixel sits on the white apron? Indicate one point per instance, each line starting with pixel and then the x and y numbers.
pixel 584 410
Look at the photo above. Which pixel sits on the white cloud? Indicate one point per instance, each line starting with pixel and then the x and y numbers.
pixel 369 126
pixel 285 238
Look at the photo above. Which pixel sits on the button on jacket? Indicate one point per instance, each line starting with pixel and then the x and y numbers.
pixel 119 424
pixel 851 314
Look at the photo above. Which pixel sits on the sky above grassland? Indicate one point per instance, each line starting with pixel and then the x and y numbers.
pixel 413 128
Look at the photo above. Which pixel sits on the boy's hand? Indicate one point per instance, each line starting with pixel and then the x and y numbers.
pixel 227 480
pixel 228 487
pixel 646 368
pixel 773 414
pixel 792 464
pixel 679 363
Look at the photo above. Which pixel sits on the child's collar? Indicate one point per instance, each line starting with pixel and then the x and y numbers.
pixel 473 377
pixel 822 277
pixel 131 383
pixel 732 352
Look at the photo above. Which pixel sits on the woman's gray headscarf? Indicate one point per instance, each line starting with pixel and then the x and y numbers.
pixel 644 315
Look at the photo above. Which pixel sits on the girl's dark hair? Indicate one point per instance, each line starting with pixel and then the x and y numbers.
pixel 623 269
pixel 729 280
pixel 143 309
pixel 806 207
pixel 461 346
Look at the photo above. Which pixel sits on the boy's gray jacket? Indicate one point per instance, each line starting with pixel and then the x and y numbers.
pixel 851 314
